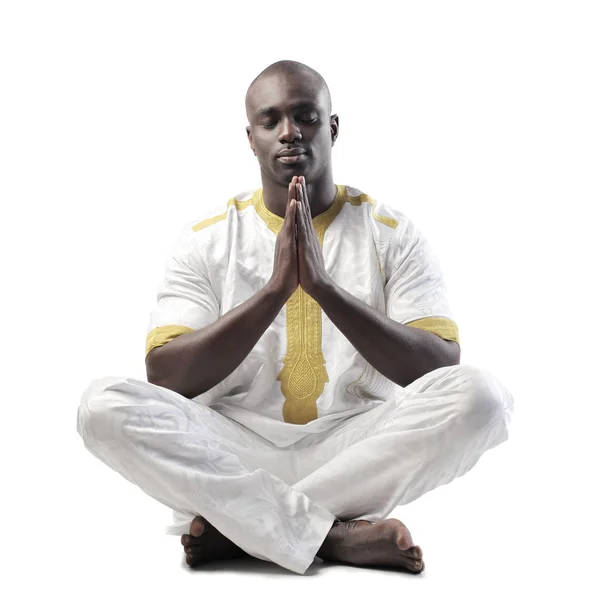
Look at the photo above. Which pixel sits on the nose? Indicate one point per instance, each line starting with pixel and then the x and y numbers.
pixel 289 131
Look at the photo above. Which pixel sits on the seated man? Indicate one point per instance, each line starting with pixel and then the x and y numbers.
pixel 304 373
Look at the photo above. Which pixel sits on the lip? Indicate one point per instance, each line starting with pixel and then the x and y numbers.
pixel 291 152
pixel 295 158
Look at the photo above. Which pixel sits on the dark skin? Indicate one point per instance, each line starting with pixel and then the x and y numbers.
pixel 290 111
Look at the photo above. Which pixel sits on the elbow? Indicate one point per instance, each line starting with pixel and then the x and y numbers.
pixel 451 354
pixel 152 369
pixel 455 354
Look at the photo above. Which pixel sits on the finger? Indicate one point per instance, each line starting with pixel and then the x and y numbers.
pixel 305 211
pixel 300 196
pixel 299 227
pixel 306 202
pixel 291 196
pixel 292 219
pixel 301 211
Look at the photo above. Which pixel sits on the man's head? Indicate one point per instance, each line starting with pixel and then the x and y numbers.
pixel 289 110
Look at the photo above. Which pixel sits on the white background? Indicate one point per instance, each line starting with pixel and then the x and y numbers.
pixel 120 121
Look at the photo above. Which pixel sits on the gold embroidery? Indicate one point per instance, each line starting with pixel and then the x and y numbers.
pixel 446 328
pixel 232 202
pixel 159 336
pixel 303 376
pixel 358 200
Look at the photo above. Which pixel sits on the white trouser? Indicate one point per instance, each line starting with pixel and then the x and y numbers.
pixel 278 504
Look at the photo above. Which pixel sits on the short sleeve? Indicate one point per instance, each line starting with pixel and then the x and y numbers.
pixel 416 292
pixel 185 301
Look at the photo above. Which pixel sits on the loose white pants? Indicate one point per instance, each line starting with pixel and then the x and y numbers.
pixel 278 504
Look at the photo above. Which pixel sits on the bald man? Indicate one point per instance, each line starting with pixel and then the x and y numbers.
pixel 303 365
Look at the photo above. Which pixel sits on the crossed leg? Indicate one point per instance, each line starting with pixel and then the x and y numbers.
pixel 434 430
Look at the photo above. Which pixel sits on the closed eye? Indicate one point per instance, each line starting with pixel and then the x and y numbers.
pixel 305 120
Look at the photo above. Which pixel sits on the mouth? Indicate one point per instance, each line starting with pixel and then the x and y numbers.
pixel 293 159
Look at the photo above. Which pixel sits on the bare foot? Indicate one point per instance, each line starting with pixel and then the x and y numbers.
pixel 205 543
pixel 384 544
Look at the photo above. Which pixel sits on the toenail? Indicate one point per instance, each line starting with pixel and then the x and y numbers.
pixel 186 539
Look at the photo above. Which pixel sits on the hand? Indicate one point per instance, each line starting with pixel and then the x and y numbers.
pixel 285 262
pixel 312 274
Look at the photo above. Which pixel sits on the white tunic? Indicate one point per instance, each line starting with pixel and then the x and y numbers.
pixel 303 431
pixel 303 375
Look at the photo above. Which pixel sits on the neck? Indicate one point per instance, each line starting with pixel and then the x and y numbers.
pixel 321 195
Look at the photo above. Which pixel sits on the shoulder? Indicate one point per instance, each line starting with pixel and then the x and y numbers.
pixel 210 223
pixel 208 228
pixel 382 213
pixel 228 209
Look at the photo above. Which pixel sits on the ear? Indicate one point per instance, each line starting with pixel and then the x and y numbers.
pixel 335 128
pixel 250 140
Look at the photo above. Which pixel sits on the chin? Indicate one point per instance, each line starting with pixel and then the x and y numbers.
pixel 296 171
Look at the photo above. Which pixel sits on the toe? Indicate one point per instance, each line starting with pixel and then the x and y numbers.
pixel 404 539
pixel 197 527
pixel 193 557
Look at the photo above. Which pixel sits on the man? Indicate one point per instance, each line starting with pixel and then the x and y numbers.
pixel 304 373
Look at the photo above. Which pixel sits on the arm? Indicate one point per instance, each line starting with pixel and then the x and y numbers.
pixel 193 363
pixel 399 352
pixel 212 347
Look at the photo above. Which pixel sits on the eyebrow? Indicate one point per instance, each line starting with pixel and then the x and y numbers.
pixel 272 109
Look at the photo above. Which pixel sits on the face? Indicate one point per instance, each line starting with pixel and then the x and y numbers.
pixel 291 113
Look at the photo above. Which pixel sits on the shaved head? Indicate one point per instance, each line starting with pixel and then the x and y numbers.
pixel 288 106
pixel 284 68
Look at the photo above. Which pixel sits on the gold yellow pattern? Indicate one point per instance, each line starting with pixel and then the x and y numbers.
pixel 232 202
pixel 303 376
pixel 159 336
pixel 358 200
pixel 446 328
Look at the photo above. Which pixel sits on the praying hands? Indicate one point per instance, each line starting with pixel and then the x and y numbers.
pixel 312 274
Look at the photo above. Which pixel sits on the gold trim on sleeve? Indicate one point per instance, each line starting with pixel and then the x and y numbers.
pixel 159 336
pixel 446 328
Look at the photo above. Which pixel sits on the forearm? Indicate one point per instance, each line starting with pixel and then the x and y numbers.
pixel 193 363
pixel 399 352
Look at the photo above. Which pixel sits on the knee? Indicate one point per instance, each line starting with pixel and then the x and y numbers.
pixel 97 415
pixel 483 400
